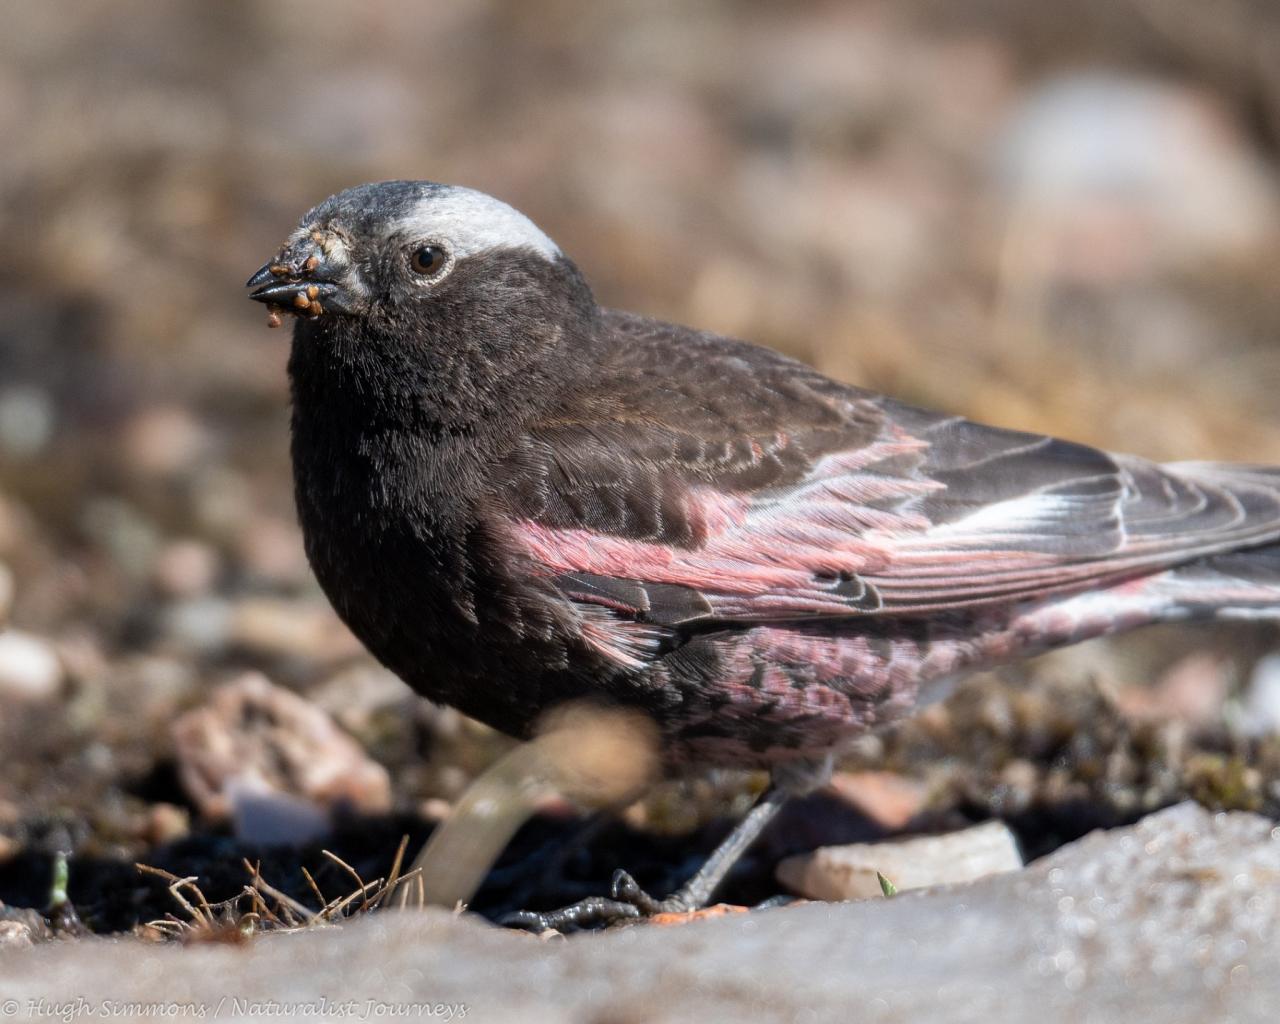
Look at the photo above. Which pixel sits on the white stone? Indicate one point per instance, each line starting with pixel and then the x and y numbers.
pixel 1258 713
pixel 849 872
pixel 29 668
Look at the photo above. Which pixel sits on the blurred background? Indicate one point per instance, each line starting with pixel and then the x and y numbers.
pixel 1061 217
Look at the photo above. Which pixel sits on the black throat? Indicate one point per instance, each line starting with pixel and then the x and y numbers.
pixel 398 420
pixel 425 393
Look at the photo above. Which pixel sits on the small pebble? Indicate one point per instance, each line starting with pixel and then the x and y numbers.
pixel 185 568
pixel 166 823
pixel 435 809
pixel 29 668
pixel 164 439
pixel 201 624
pixel 267 817
pixel 270 548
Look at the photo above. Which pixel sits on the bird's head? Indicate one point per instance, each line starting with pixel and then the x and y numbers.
pixel 438 288
pixel 386 249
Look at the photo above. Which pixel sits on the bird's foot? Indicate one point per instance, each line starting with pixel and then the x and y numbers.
pixel 626 901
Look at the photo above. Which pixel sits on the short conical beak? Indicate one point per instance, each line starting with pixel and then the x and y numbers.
pixel 300 281
pixel 261 276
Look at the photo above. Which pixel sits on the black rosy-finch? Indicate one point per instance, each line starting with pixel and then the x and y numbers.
pixel 516 499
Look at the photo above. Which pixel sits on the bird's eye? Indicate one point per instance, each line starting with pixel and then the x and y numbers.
pixel 428 260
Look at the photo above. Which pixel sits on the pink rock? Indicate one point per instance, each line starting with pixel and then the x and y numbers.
pixel 256 746
pixel 163 439
pixel 186 568
pixel 890 799
pixel 1193 690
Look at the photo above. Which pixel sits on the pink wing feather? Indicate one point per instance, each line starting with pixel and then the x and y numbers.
pixel 858 535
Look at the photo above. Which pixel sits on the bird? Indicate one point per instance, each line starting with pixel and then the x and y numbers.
pixel 518 499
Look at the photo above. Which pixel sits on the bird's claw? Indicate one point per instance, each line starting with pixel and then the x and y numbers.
pixel 592 911
pixel 626 889
pixel 626 901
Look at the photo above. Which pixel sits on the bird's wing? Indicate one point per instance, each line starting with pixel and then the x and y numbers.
pixel 722 482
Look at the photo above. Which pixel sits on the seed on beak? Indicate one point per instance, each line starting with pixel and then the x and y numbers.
pixel 273 316
pixel 312 291
pixel 278 269
pixel 301 301
pixel 312 263
pixel 316 309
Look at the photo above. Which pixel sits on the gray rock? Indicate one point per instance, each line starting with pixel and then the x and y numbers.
pixel 27 420
pixel 1174 920
pixel 20 926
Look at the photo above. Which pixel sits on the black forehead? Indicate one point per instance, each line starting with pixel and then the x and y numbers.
pixel 364 206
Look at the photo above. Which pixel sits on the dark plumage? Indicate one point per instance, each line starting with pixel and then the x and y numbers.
pixel 516 498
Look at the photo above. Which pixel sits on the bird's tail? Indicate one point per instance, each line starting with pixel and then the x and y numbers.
pixel 1238 585
pixel 1233 585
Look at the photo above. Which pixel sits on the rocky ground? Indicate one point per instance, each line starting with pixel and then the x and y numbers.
pixel 956 203
pixel 1175 920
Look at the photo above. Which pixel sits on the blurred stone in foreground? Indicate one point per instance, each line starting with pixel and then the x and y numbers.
pixel 850 872
pixel 274 763
pixel 597 756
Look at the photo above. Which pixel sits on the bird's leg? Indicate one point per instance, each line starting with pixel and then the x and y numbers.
pixel 696 892
pixel 628 901
pixel 794 778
